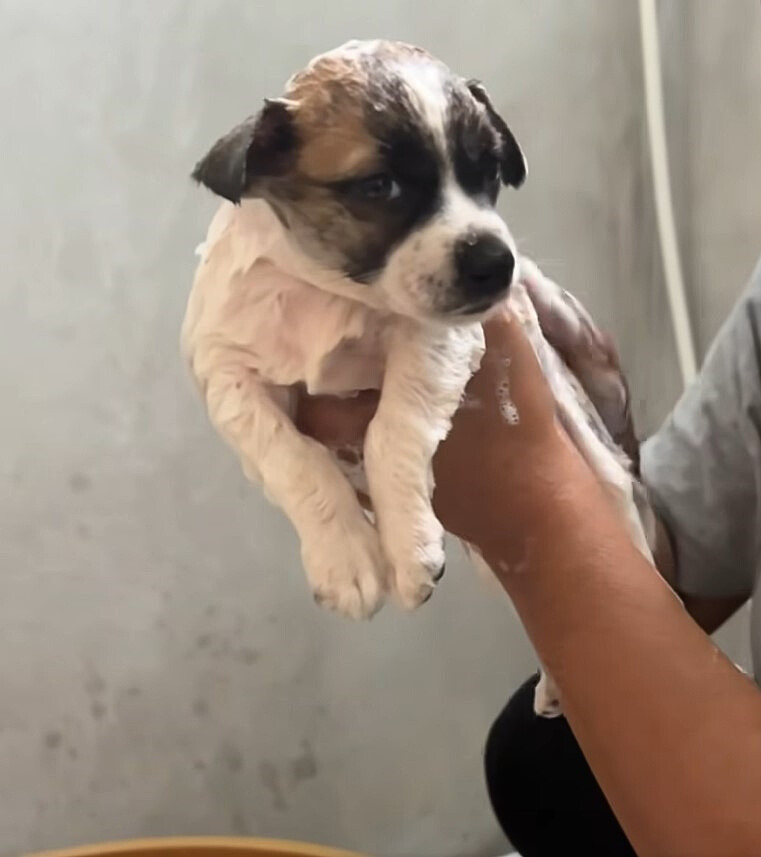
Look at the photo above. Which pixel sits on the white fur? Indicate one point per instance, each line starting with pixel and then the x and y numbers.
pixel 419 274
pixel 263 318
pixel 256 327
pixel 427 369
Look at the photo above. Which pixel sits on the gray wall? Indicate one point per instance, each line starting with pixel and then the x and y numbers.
pixel 162 668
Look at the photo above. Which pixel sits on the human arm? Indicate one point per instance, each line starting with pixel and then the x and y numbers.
pixel 704 465
pixel 670 727
pixel 709 612
pixel 594 359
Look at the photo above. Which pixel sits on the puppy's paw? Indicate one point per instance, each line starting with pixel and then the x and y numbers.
pixel 418 566
pixel 547 698
pixel 347 569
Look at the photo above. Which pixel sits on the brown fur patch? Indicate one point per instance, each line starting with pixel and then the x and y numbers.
pixel 332 95
pixel 331 98
pixel 334 153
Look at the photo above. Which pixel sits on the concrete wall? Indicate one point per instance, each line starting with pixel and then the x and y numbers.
pixel 162 668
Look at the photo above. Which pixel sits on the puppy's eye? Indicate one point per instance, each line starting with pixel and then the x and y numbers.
pixel 380 187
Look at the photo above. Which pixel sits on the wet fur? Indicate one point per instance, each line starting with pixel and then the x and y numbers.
pixel 302 282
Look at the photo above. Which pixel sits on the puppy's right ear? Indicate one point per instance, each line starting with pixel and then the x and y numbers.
pixel 512 161
pixel 262 146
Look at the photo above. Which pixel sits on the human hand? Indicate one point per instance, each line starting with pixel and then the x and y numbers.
pixel 487 451
pixel 490 462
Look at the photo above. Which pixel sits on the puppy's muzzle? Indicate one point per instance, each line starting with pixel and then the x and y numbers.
pixel 484 267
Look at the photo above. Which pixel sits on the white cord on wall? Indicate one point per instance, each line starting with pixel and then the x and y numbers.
pixel 672 269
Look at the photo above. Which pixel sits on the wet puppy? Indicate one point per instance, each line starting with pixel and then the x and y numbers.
pixel 358 247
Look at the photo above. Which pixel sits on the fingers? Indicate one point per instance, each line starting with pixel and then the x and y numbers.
pixel 566 323
pixel 590 354
pixel 336 423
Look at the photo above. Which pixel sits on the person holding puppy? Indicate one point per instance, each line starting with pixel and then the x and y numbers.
pixel 659 752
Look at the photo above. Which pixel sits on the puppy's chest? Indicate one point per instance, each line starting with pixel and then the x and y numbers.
pixel 330 344
pixel 353 363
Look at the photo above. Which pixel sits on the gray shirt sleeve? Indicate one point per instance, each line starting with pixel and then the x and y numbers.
pixel 703 467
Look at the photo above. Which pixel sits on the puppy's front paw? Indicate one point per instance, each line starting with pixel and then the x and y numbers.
pixel 418 564
pixel 347 569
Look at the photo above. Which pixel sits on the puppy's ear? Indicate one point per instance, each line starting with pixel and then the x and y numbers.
pixel 261 146
pixel 512 162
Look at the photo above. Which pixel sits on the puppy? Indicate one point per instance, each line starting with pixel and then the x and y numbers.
pixel 359 247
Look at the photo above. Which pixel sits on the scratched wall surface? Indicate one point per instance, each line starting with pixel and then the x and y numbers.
pixel 162 668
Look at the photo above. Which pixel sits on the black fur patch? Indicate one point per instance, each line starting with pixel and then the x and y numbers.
pixel 261 146
pixel 512 162
pixel 474 147
pixel 410 157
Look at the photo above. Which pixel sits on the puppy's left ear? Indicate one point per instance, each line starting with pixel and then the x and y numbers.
pixel 260 147
pixel 512 161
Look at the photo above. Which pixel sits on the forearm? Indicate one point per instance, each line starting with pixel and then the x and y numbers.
pixel 709 613
pixel 670 727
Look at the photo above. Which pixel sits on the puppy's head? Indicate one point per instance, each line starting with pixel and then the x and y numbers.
pixel 384 168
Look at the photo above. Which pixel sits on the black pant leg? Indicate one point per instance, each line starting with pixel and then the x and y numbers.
pixel 541 788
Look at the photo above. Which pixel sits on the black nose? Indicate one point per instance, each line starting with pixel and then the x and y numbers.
pixel 484 265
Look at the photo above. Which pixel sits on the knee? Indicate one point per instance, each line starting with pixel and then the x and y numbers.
pixel 541 788
pixel 513 761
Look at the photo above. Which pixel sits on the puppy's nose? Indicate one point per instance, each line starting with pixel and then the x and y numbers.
pixel 484 265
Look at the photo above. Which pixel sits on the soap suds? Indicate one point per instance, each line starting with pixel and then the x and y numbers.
pixel 506 405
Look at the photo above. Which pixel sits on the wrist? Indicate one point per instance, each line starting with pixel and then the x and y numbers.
pixel 536 498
